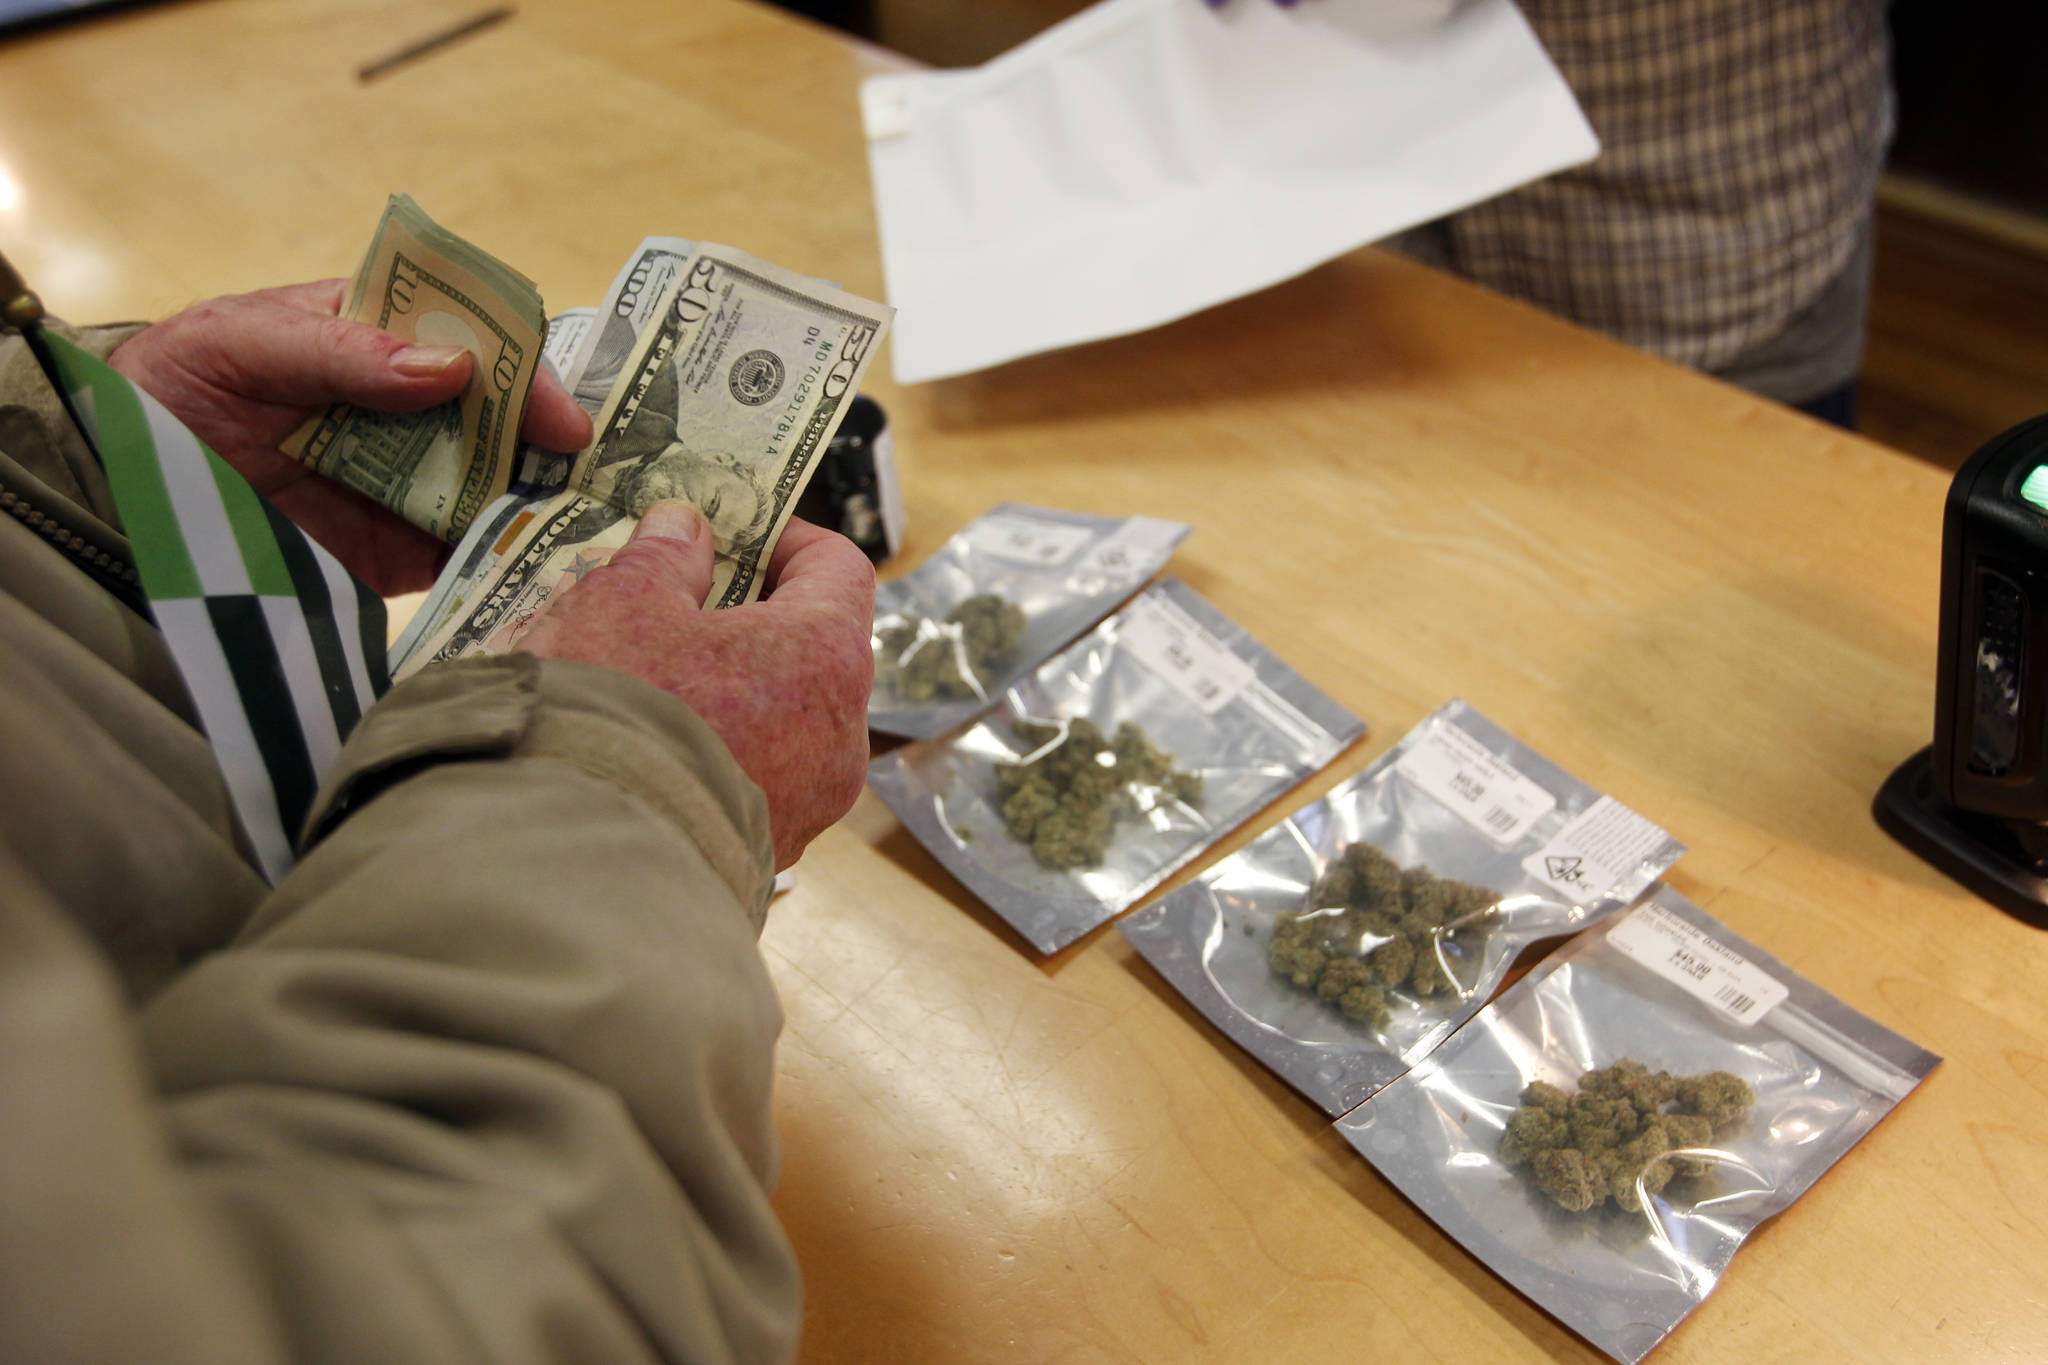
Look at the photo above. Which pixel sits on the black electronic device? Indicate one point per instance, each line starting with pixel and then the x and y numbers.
pixel 1975 802
pixel 854 490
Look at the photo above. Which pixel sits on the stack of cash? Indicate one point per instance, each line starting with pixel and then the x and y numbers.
pixel 710 375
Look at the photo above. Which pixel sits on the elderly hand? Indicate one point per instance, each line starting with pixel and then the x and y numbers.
pixel 783 681
pixel 244 372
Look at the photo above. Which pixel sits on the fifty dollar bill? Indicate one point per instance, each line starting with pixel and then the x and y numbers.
pixel 727 400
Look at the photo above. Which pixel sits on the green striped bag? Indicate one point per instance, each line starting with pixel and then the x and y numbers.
pixel 281 647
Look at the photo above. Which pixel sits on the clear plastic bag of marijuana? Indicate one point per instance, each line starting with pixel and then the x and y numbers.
pixel 1115 763
pixel 1606 1134
pixel 1343 945
pixel 996 600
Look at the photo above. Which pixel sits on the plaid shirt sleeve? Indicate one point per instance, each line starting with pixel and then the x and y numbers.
pixel 1727 216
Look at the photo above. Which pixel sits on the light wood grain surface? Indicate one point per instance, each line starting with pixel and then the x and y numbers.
pixel 1718 611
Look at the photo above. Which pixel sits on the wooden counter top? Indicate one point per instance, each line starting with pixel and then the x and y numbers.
pixel 1716 610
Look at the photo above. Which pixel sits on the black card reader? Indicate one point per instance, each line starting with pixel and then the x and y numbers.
pixel 1975 803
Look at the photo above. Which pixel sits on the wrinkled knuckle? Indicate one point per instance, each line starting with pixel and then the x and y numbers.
pixel 636 560
pixel 193 326
pixel 205 314
pixel 649 565
pixel 351 338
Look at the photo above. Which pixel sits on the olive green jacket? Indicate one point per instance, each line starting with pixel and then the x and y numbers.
pixel 485 1078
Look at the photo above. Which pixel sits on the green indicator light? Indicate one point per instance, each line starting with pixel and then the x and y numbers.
pixel 2035 487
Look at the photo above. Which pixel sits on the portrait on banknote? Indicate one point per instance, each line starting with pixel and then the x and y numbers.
pixel 720 485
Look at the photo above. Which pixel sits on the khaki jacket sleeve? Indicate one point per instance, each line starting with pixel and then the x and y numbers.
pixel 487 1077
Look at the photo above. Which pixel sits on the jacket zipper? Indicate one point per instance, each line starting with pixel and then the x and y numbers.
pixel 111 570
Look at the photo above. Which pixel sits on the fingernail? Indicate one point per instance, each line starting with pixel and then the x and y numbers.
pixel 670 519
pixel 425 362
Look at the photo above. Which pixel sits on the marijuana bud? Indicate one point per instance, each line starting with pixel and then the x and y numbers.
pixel 922 660
pixel 1066 796
pixel 1371 926
pixel 1614 1139
pixel 1717 1096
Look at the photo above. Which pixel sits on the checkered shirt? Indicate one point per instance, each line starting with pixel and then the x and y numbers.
pixel 1730 204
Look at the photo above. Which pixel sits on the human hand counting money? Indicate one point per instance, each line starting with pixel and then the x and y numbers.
pixel 784 681
pixel 245 371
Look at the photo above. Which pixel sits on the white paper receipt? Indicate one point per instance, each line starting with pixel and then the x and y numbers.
pixel 1599 855
pixel 1476 783
pixel 1023 540
pixel 1698 963
pixel 1155 157
pixel 1194 663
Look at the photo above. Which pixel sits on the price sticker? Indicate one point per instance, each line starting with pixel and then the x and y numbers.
pixel 1163 637
pixel 1021 540
pixel 1698 963
pixel 1481 787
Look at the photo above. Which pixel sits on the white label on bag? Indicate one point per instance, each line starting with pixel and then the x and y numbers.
pixel 1590 857
pixel 1022 540
pixel 1698 963
pixel 1480 786
pixel 1163 637
pixel 1133 548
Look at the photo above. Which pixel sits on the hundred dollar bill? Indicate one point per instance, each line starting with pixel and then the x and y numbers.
pixel 540 549
pixel 544 473
pixel 439 468
pixel 476 558
pixel 566 331
pixel 727 401
pixel 628 307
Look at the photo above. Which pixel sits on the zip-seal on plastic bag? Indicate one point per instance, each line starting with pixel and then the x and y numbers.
pixel 994 602
pixel 1211 724
pixel 1498 848
pixel 1670 988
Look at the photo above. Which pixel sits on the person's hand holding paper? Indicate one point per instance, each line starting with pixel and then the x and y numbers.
pixel 1149 158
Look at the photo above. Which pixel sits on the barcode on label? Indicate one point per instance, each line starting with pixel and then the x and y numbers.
pixel 1162 636
pixel 1482 788
pixel 1735 1001
pixel 1704 967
